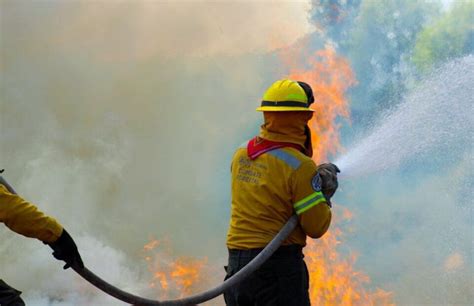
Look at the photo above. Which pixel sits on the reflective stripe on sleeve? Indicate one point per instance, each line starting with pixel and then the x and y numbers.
pixel 308 202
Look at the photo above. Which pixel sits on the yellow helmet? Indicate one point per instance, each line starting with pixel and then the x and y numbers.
pixel 287 95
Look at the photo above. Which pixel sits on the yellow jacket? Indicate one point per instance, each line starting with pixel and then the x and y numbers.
pixel 266 191
pixel 25 218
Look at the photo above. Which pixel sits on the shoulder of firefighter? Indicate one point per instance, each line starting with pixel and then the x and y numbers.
pixel 267 191
pixel 26 219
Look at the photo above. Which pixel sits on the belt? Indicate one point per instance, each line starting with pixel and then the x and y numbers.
pixel 283 251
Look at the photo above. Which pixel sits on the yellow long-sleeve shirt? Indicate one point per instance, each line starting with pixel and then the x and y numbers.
pixel 267 191
pixel 24 218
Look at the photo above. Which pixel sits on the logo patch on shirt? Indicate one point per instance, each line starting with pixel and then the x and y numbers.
pixel 316 182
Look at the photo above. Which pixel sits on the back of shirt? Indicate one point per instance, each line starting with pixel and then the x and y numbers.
pixel 266 191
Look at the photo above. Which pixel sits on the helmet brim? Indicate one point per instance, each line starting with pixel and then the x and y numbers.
pixel 283 109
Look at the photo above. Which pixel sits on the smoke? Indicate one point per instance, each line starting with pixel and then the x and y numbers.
pixel 121 30
pixel 45 283
pixel 120 119
pixel 414 231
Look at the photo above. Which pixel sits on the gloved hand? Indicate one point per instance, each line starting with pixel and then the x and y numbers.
pixel 328 173
pixel 65 249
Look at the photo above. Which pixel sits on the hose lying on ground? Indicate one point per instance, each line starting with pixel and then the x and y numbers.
pixel 194 299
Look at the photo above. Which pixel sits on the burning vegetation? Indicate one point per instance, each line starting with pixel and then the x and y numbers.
pixel 179 277
pixel 334 279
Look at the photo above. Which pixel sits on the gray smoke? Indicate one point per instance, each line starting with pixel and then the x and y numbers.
pixel 120 119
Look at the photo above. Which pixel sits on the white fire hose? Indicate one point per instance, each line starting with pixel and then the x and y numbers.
pixel 197 298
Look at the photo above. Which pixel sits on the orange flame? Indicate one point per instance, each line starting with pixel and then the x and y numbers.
pixel 173 277
pixel 333 279
pixel 330 76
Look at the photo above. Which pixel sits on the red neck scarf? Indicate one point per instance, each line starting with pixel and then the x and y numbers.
pixel 257 146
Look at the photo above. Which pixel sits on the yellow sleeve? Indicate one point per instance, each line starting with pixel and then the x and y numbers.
pixel 309 204
pixel 24 218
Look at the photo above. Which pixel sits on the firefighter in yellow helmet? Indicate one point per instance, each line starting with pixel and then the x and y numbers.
pixel 274 177
pixel 24 218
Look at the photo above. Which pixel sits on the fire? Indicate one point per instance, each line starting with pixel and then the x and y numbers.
pixel 185 272
pixel 333 278
pixel 330 76
pixel 172 277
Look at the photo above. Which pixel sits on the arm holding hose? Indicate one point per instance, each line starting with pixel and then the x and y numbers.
pixel 310 205
pixel 26 219
pixel 313 186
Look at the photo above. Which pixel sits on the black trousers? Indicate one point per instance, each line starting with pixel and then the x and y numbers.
pixel 9 296
pixel 281 281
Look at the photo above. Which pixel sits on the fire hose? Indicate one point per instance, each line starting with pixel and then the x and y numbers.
pixel 199 298
pixel 203 296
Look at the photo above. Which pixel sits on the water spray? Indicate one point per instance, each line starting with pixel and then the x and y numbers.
pixel 437 116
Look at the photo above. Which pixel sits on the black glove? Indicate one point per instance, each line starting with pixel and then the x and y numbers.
pixel 65 249
pixel 328 173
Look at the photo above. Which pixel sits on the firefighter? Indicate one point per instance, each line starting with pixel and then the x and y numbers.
pixel 24 218
pixel 274 177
